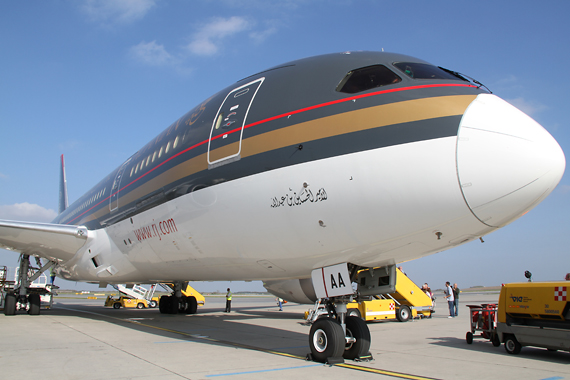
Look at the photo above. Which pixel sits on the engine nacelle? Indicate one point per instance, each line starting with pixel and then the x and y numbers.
pixel 298 290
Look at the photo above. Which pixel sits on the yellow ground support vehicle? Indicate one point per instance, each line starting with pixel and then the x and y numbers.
pixel 405 302
pixel 534 314
pixel 124 301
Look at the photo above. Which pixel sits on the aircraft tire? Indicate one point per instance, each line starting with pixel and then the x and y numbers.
pixel 10 304
pixel 163 304
pixel 35 303
pixel 191 305
pixel 326 339
pixel 353 313
pixel 173 305
pixel 357 328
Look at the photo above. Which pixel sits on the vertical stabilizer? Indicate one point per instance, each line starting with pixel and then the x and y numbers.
pixel 62 188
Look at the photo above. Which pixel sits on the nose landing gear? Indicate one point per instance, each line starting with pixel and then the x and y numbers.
pixel 335 336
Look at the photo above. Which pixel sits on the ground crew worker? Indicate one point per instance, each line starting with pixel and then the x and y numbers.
pixel 228 301
pixel 52 274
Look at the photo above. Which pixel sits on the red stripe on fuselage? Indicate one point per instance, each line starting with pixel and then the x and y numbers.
pixel 361 96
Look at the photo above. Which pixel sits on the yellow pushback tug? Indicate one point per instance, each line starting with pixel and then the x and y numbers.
pixel 534 314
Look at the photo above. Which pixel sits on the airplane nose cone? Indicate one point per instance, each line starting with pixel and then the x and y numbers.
pixel 507 163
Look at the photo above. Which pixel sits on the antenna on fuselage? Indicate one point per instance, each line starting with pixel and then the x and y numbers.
pixel 62 188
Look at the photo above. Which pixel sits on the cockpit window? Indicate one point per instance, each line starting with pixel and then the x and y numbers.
pixel 366 78
pixel 425 71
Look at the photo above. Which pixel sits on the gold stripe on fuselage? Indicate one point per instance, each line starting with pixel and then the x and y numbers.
pixel 329 126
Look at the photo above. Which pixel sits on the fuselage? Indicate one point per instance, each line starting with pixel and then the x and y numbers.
pixel 365 158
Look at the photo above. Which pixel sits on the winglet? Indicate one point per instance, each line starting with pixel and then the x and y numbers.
pixel 62 188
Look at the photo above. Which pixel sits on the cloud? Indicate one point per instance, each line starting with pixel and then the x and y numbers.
pixel 3 176
pixel 117 11
pixel 528 107
pixel 26 212
pixel 151 54
pixel 207 40
pixel 261 36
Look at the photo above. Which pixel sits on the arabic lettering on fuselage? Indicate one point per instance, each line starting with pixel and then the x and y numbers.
pixel 293 199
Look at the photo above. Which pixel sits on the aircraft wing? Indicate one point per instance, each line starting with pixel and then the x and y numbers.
pixel 52 241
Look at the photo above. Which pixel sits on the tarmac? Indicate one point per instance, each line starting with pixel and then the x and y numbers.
pixel 80 339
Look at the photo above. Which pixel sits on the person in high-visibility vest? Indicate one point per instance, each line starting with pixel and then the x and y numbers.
pixel 228 301
pixel 52 274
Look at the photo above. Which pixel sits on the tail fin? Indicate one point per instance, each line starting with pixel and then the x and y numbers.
pixel 62 188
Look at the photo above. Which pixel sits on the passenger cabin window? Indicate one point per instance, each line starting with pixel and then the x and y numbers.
pixel 367 78
pixel 424 71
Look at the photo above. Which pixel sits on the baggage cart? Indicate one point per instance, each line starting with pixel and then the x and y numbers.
pixel 483 319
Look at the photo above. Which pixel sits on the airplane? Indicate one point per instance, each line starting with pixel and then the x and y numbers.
pixel 310 176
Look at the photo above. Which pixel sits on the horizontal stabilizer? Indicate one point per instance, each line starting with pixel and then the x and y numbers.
pixel 55 242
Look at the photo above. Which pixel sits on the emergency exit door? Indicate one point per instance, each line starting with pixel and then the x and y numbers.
pixel 224 145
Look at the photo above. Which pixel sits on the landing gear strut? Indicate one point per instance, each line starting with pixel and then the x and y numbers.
pixel 177 302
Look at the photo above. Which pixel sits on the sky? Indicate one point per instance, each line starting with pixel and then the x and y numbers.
pixel 96 80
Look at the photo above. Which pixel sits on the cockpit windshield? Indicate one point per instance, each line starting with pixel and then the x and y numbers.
pixel 366 78
pixel 426 71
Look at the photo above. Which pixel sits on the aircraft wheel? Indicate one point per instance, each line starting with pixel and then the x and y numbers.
pixel 163 304
pixel 512 345
pixel 191 305
pixel 326 339
pixel 353 313
pixel 140 305
pixel 35 302
pixel 116 305
pixel 10 304
pixel 403 313
pixel 175 306
pixel 357 328
pixel 469 337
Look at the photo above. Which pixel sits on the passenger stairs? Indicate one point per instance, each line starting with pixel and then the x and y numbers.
pixel 136 291
pixel 140 292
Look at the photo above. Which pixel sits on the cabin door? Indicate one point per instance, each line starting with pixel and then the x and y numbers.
pixel 114 200
pixel 224 145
